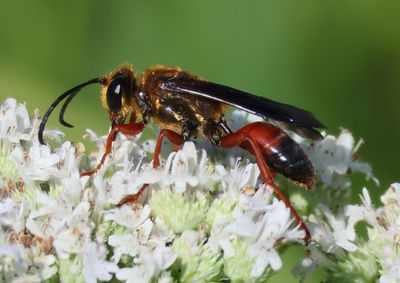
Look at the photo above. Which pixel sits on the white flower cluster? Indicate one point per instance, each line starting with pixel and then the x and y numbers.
pixel 348 256
pixel 198 221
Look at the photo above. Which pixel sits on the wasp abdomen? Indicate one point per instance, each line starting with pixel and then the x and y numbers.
pixel 286 157
pixel 282 154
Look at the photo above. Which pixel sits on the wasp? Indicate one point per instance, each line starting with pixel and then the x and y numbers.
pixel 186 106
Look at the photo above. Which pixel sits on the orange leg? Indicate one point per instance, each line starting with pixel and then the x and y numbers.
pixel 176 139
pixel 126 129
pixel 132 198
pixel 248 140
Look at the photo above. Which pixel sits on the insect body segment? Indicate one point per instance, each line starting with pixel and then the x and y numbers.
pixel 183 113
pixel 118 94
pixel 186 106
pixel 279 151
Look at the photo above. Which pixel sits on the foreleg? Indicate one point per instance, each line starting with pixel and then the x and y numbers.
pixel 176 139
pixel 126 129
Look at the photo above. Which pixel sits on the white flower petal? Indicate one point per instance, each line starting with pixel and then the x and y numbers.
pixel 94 267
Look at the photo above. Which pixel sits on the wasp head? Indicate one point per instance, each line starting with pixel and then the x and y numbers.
pixel 117 97
pixel 118 94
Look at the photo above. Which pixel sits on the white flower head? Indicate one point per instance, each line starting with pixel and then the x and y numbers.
pixel 257 202
pixel 391 201
pixel 74 236
pixel 148 265
pixel 315 257
pixel 128 217
pixel 180 168
pixel 19 264
pixel 14 122
pixel 160 234
pixel 41 164
pixel 125 244
pixel 334 157
pixel 12 260
pixel 274 226
pixel 126 181
pixel 364 212
pixel 202 220
pixel 337 231
pixel 123 148
pixel 94 266
pixel 243 225
pixel 42 266
pixel 198 262
pixel 13 214
pixel 133 240
pixel 393 274
pixel 237 178
pixel 220 237
pixel 68 227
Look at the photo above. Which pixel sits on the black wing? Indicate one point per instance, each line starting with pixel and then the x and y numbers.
pixel 286 116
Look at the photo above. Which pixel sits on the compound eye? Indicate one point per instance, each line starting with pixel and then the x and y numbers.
pixel 115 91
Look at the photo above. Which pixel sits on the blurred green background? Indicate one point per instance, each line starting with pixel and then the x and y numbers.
pixel 339 59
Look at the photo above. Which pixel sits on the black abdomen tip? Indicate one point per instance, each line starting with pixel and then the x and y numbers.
pixel 290 160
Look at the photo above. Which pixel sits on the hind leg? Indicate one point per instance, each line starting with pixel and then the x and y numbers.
pixel 249 138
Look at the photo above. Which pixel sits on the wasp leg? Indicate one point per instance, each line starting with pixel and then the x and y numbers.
pixel 176 139
pixel 249 138
pixel 126 129
pixel 189 129
pixel 215 130
pixel 132 198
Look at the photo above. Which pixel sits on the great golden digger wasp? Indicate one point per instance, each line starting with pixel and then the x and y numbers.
pixel 186 106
